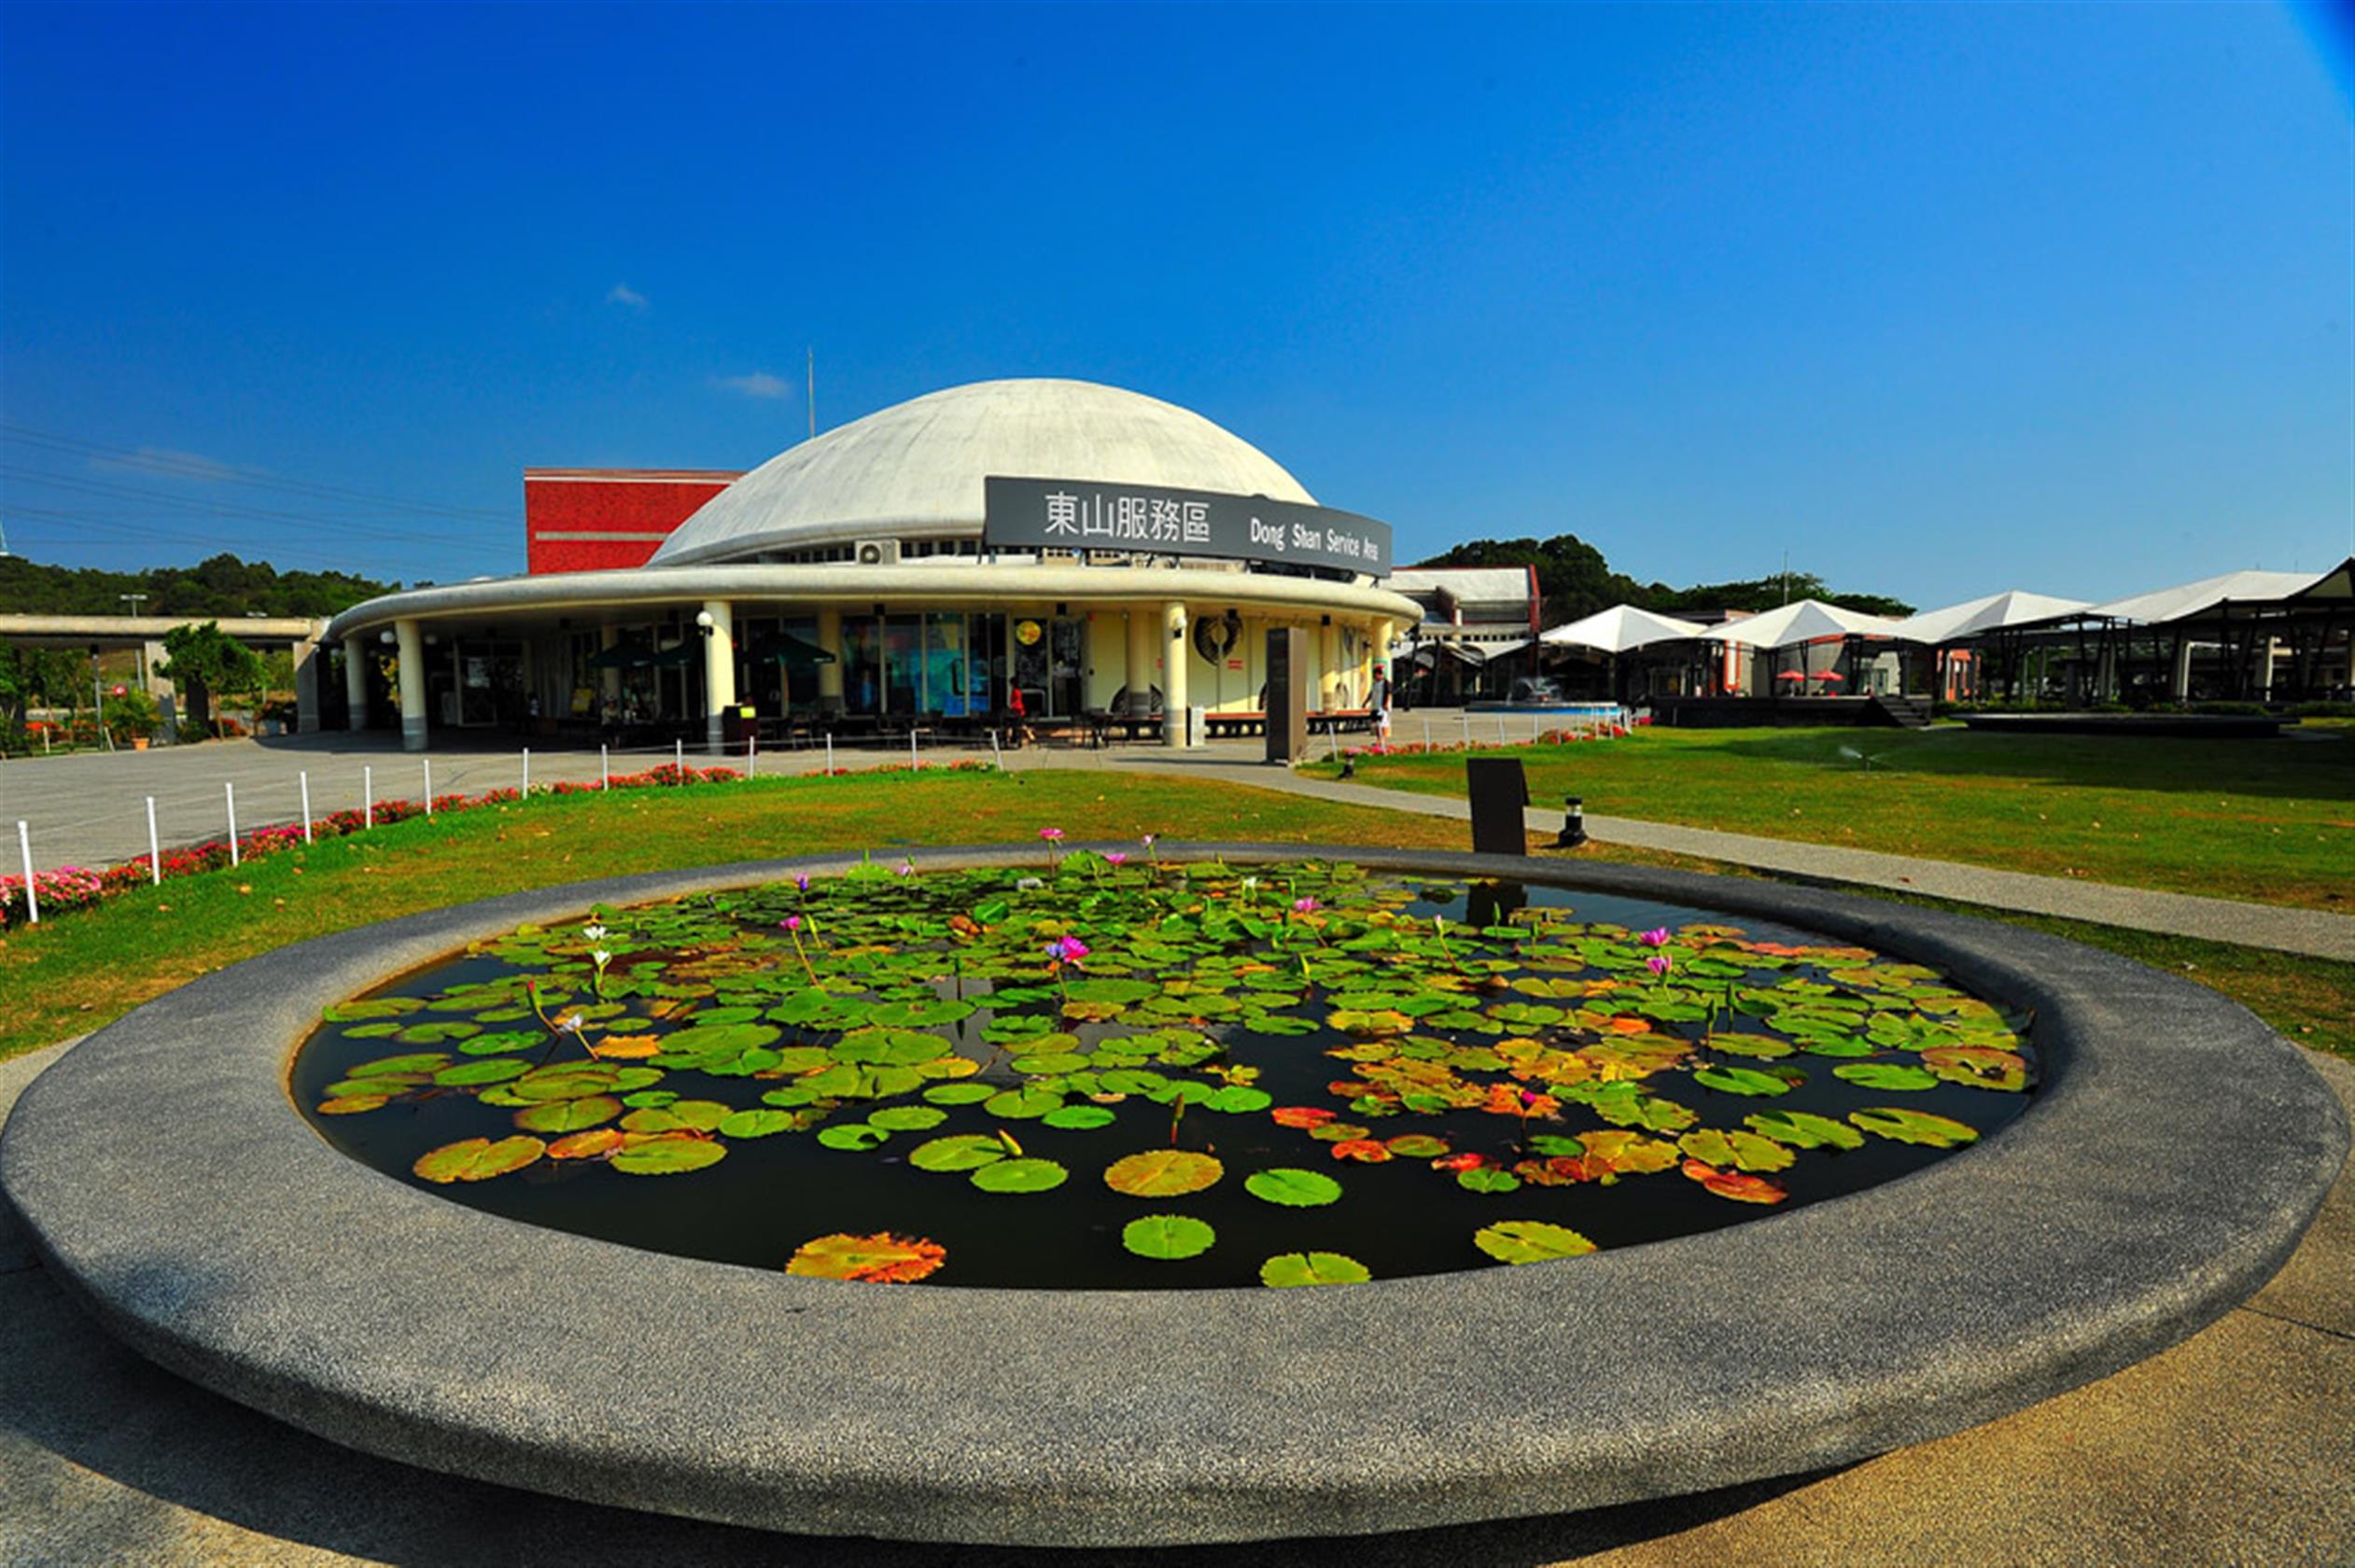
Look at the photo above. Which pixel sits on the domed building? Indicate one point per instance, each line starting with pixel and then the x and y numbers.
pixel 1059 549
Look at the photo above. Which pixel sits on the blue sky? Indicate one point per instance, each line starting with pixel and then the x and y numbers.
pixel 1943 299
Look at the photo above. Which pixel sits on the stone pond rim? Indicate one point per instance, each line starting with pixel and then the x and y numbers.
pixel 2166 1170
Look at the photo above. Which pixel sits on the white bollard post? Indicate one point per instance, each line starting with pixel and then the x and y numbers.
pixel 605 768
pixel 997 752
pixel 429 762
pixel 751 754
pixel 229 792
pixel 306 778
pixel 1465 719
pixel 830 751
pixel 367 798
pixel 526 773
pixel 31 898
pixel 1426 732
pixel 155 851
pixel 679 759
pixel 912 763
pixel 1500 731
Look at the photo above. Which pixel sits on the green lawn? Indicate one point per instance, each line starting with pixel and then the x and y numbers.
pixel 2271 822
pixel 78 971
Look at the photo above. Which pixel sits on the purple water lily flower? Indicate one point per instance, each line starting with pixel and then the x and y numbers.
pixel 1658 963
pixel 1304 906
pixel 1658 937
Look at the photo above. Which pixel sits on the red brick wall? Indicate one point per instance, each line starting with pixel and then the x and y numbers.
pixel 591 519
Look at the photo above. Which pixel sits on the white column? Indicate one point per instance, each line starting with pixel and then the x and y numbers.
pixel 718 671
pixel 306 686
pixel 829 676
pixel 1328 664
pixel 409 651
pixel 1140 661
pixel 356 683
pixel 1173 697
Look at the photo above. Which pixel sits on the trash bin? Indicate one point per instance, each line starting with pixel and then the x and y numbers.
pixel 1197 725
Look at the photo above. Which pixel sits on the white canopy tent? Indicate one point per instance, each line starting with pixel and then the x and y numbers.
pixel 1623 627
pixel 2193 598
pixel 1996 612
pixel 1807 621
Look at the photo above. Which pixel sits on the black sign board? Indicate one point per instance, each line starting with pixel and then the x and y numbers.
pixel 1147 519
pixel 1287 694
pixel 1500 793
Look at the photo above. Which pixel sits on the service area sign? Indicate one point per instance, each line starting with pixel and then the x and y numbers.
pixel 1086 515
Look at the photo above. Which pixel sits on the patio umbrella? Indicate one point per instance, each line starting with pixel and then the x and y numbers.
pixel 795 653
pixel 1793 675
pixel 1831 675
pixel 636 655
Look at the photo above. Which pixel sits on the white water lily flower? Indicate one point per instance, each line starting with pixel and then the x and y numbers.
pixel 601 958
pixel 593 933
pixel 1028 884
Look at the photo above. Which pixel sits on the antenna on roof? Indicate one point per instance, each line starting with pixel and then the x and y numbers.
pixel 813 394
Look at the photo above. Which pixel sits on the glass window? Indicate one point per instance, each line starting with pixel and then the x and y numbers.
pixel 945 665
pixel 862 664
pixel 902 663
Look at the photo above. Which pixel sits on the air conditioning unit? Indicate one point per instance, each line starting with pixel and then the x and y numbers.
pixel 878 553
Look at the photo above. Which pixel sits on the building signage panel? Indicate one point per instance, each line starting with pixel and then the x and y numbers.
pixel 1087 515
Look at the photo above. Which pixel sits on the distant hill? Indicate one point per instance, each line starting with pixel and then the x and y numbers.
pixel 1575 581
pixel 221 585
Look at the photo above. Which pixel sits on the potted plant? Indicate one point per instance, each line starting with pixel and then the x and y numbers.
pixel 132 717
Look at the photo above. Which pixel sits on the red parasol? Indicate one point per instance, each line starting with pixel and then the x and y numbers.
pixel 1831 675
pixel 1791 675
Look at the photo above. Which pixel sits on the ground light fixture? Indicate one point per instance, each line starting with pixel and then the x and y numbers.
pixel 1573 824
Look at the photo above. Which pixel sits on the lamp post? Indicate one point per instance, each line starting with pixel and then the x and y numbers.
pixel 134 601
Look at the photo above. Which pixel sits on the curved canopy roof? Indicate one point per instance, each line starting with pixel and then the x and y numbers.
pixel 915 469
pixel 1623 627
pixel 2192 598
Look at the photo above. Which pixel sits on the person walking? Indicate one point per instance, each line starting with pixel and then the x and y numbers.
pixel 1378 700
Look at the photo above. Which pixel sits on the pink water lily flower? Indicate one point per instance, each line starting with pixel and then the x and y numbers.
pixel 792 922
pixel 1304 906
pixel 1066 949
pixel 1116 858
pixel 1658 937
pixel 1658 963
pixel 1053 835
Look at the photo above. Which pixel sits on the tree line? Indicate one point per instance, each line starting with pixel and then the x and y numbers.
pixel 220 585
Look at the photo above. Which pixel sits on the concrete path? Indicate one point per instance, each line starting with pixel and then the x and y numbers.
pixel 2235 1447
pixel 2309 931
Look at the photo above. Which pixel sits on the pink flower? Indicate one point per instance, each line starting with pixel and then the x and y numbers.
pixel 1654 938
pixel 792 923
pixel 1304 906
pixel 1658 963
pixel 1053 835
pixel 1116 858
pixel 1066 949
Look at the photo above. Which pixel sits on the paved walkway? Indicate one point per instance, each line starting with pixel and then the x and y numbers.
pixel 89 811
pixel 2233 1447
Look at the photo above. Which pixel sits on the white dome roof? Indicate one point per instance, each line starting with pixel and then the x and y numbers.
pixel 914 471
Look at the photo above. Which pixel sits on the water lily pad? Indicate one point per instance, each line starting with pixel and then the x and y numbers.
pixel 478 1159
pixel 476 1072
pixel 1747 1151
pixel 1167 1235
pixel 568 1115
pixel 856 1136
pixel 1802 1130
pixel 906 1118
pixel 1885 1076
pixel 1417 1145
pixel 1529 1242
pixel 1313 1269
pixel 958 1094
pixel 501 1042
pixel 1074 1118
pixel 965 1151
pixel 882 1258
pixel 1022 1104
pixel 416 1062
pixel 1981 1067
pixel 669 1155
pixel 1020 1176
pixel 1293 1188
pixel 1733 1185
pixel 1483 1179
pixel 1914 1127
pixel 1739 1080
pixel 353 1105
pixel 591 1144
pixel 756 1123
pixel 1163 1174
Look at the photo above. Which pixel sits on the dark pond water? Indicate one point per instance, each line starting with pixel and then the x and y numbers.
pixel 1622 1071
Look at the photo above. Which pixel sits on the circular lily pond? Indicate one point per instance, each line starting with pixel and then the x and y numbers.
pixel 1109 1073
